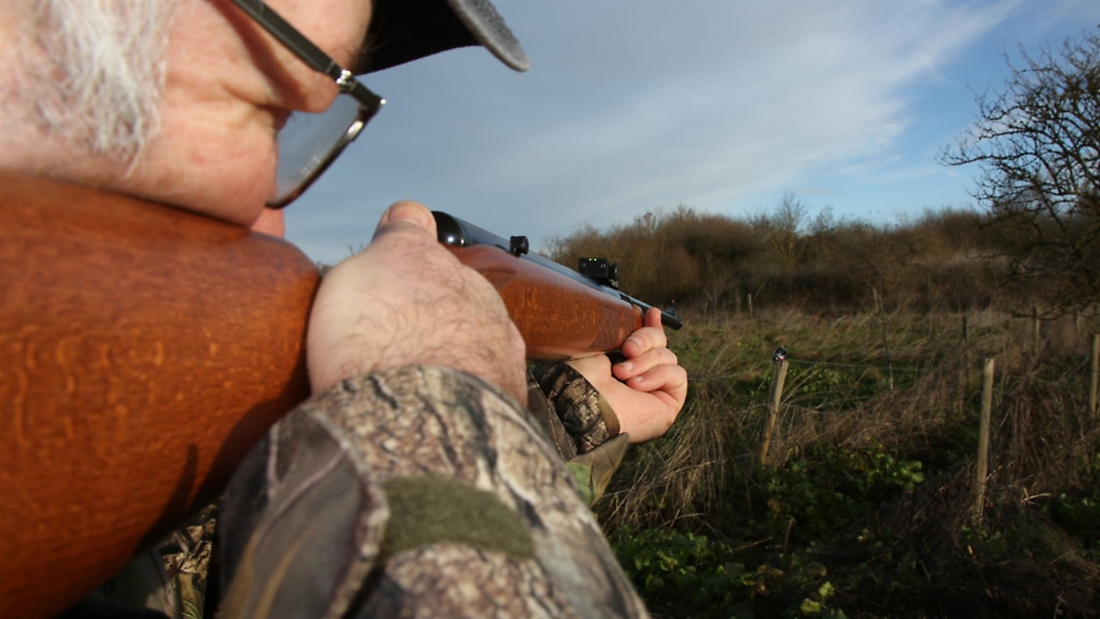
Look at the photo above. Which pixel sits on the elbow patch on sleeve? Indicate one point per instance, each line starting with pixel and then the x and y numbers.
pixel 436 510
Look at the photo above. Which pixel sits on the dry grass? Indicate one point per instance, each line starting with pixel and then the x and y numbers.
pixel 908 384
pixel 839 392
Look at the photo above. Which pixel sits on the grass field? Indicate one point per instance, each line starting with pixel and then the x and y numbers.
pixel 865 505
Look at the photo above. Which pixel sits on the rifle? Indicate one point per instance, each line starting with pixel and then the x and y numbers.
pixel 590 313
pixel 124 321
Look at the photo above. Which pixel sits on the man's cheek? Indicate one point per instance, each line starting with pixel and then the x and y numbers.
pixel 270 222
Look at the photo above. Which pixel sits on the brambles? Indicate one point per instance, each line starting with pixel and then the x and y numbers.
pixel 691 575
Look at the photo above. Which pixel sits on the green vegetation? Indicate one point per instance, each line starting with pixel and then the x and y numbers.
pixel 865 508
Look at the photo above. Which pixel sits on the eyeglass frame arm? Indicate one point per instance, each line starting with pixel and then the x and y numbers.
pixel 305 50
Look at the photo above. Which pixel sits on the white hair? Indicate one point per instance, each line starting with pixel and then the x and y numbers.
pixel 101 71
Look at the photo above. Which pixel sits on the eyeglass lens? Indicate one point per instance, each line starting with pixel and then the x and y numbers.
pixel 308 142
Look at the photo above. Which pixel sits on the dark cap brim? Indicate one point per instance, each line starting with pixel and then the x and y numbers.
pixel 404 30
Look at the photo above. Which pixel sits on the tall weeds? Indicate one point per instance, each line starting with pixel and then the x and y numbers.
pixel 705 477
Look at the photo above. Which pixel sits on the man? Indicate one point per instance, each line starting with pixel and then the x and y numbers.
pixel 414 482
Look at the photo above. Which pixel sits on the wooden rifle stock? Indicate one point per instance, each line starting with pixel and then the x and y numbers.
pixel 144 350
pixel 586 321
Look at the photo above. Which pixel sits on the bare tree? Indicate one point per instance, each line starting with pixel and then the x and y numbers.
pixel 786 227
pixel 1037 143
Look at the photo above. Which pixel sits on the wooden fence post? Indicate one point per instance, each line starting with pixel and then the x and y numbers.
pixel 983 443
pixel 774 398
pixel 1095 362
pixel 750 305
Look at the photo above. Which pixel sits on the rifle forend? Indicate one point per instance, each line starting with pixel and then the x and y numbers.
pixel 560 313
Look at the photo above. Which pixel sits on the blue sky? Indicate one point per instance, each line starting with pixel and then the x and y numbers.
pixel 722 105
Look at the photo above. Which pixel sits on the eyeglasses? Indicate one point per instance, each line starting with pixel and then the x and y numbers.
pixel 309 143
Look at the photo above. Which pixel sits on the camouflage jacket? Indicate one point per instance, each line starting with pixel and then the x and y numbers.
pixel 425 492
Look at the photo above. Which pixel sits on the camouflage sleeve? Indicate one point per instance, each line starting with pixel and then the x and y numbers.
pixel 413 492
pixel 581 425
pixel 587 417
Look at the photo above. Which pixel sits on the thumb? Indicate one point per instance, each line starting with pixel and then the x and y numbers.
pixel 404 213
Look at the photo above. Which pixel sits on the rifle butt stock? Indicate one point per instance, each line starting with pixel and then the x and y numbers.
pixel 143 351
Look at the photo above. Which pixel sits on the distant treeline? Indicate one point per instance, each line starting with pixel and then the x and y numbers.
pixel 1034 246
pixel 945 260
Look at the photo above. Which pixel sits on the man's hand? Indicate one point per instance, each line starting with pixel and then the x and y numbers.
pixel 648 389
pixel 405 300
